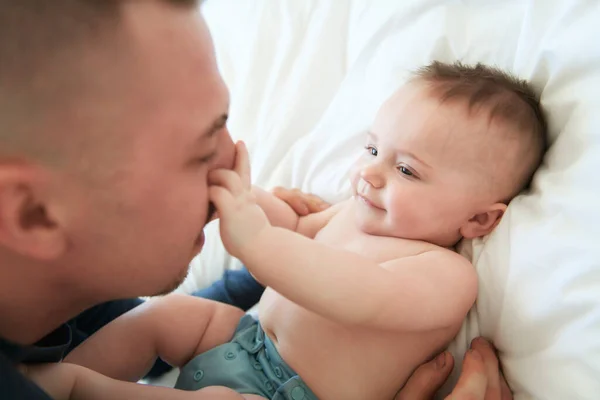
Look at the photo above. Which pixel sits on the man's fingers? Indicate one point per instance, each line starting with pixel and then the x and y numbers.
pixel 492 368
pixel 427 379
pixel 472 383
pixel 242 164
pixel 505 392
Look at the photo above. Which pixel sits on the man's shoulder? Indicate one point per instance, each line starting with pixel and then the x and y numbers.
pixel 14 386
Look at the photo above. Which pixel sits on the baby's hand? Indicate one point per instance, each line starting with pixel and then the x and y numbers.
pixel 302 203
pixel 241 219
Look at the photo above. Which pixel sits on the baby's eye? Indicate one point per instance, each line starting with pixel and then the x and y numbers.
pixel 372 150
pixel 405 171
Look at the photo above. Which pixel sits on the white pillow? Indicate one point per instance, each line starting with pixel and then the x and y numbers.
pixel 306 79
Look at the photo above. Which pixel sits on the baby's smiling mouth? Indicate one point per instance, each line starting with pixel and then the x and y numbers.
pixel 368 202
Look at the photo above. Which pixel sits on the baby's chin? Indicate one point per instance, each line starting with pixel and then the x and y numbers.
pixel 379 227
pixel 369 226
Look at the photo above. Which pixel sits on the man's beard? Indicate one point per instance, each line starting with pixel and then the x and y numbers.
pixel 179 280
pixel 175 283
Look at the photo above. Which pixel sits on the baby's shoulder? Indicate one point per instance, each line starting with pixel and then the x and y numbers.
pixel 400 248
pixel 422 254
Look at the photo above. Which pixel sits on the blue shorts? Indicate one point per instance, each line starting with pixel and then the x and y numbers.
pixel 249 364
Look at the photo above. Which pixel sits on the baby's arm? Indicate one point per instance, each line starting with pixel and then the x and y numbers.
pixel 175 328
pixel 280 214
pixel 72 382
pixel 423 292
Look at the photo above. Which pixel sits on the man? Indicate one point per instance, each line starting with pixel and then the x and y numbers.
pixel 112 113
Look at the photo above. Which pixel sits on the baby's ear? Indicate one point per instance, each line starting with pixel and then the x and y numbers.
pixel 484 222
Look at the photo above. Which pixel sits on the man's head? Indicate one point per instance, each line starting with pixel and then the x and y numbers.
pixel 447 152
pixel 112 113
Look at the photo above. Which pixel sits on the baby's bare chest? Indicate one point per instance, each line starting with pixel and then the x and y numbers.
pixel 342 232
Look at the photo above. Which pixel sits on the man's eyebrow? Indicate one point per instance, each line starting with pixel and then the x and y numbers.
pixel 217 125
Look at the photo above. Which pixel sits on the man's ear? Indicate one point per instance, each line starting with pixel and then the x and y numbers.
pixel 26 226
pixel 484 222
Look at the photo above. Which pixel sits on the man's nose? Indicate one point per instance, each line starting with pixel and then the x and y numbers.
pixel 226 151
pixel 373 175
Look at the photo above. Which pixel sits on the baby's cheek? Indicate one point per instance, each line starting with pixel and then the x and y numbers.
pixel 403 207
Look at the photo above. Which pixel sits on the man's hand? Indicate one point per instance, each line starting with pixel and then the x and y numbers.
pixel 481 378
pixel 241 219
pixel 302 203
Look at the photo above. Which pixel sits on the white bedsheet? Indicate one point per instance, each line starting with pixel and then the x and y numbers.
pixel 306 78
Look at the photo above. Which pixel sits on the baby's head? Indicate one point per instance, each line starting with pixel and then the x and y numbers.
pixel 446 154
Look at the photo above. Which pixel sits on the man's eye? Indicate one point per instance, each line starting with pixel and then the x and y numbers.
pixel 207 158
pixel 372 150
pixel 405 171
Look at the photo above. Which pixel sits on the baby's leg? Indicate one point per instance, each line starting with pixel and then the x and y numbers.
pixel 68 381
pixel 237 288
pixel 216 392
pixel 176 328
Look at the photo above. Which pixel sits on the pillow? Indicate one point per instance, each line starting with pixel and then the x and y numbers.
pixel 306 79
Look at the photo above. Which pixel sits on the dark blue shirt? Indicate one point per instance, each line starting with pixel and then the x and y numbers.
pixel 237 288
pixel 55 346
pixel 13 385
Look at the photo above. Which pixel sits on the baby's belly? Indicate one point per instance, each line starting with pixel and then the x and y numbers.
pixel 339 362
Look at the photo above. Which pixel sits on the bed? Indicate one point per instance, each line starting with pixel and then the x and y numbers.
pixel 306 77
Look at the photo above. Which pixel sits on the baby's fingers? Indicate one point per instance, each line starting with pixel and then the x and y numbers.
pixel 293 198
pixel 228 180
pixel 242 164
pixel 222 199
pixel 316 204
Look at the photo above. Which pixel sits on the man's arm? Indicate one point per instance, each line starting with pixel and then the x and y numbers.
pixel 176 328
pixel 72 382
pixel 423 292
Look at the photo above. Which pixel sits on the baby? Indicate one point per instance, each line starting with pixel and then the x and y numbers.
pixel 362 293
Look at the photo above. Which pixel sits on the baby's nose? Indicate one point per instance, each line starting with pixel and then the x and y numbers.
pixel 373 175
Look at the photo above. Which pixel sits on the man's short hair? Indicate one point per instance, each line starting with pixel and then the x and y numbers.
pixel 41 43
pixel 32 31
